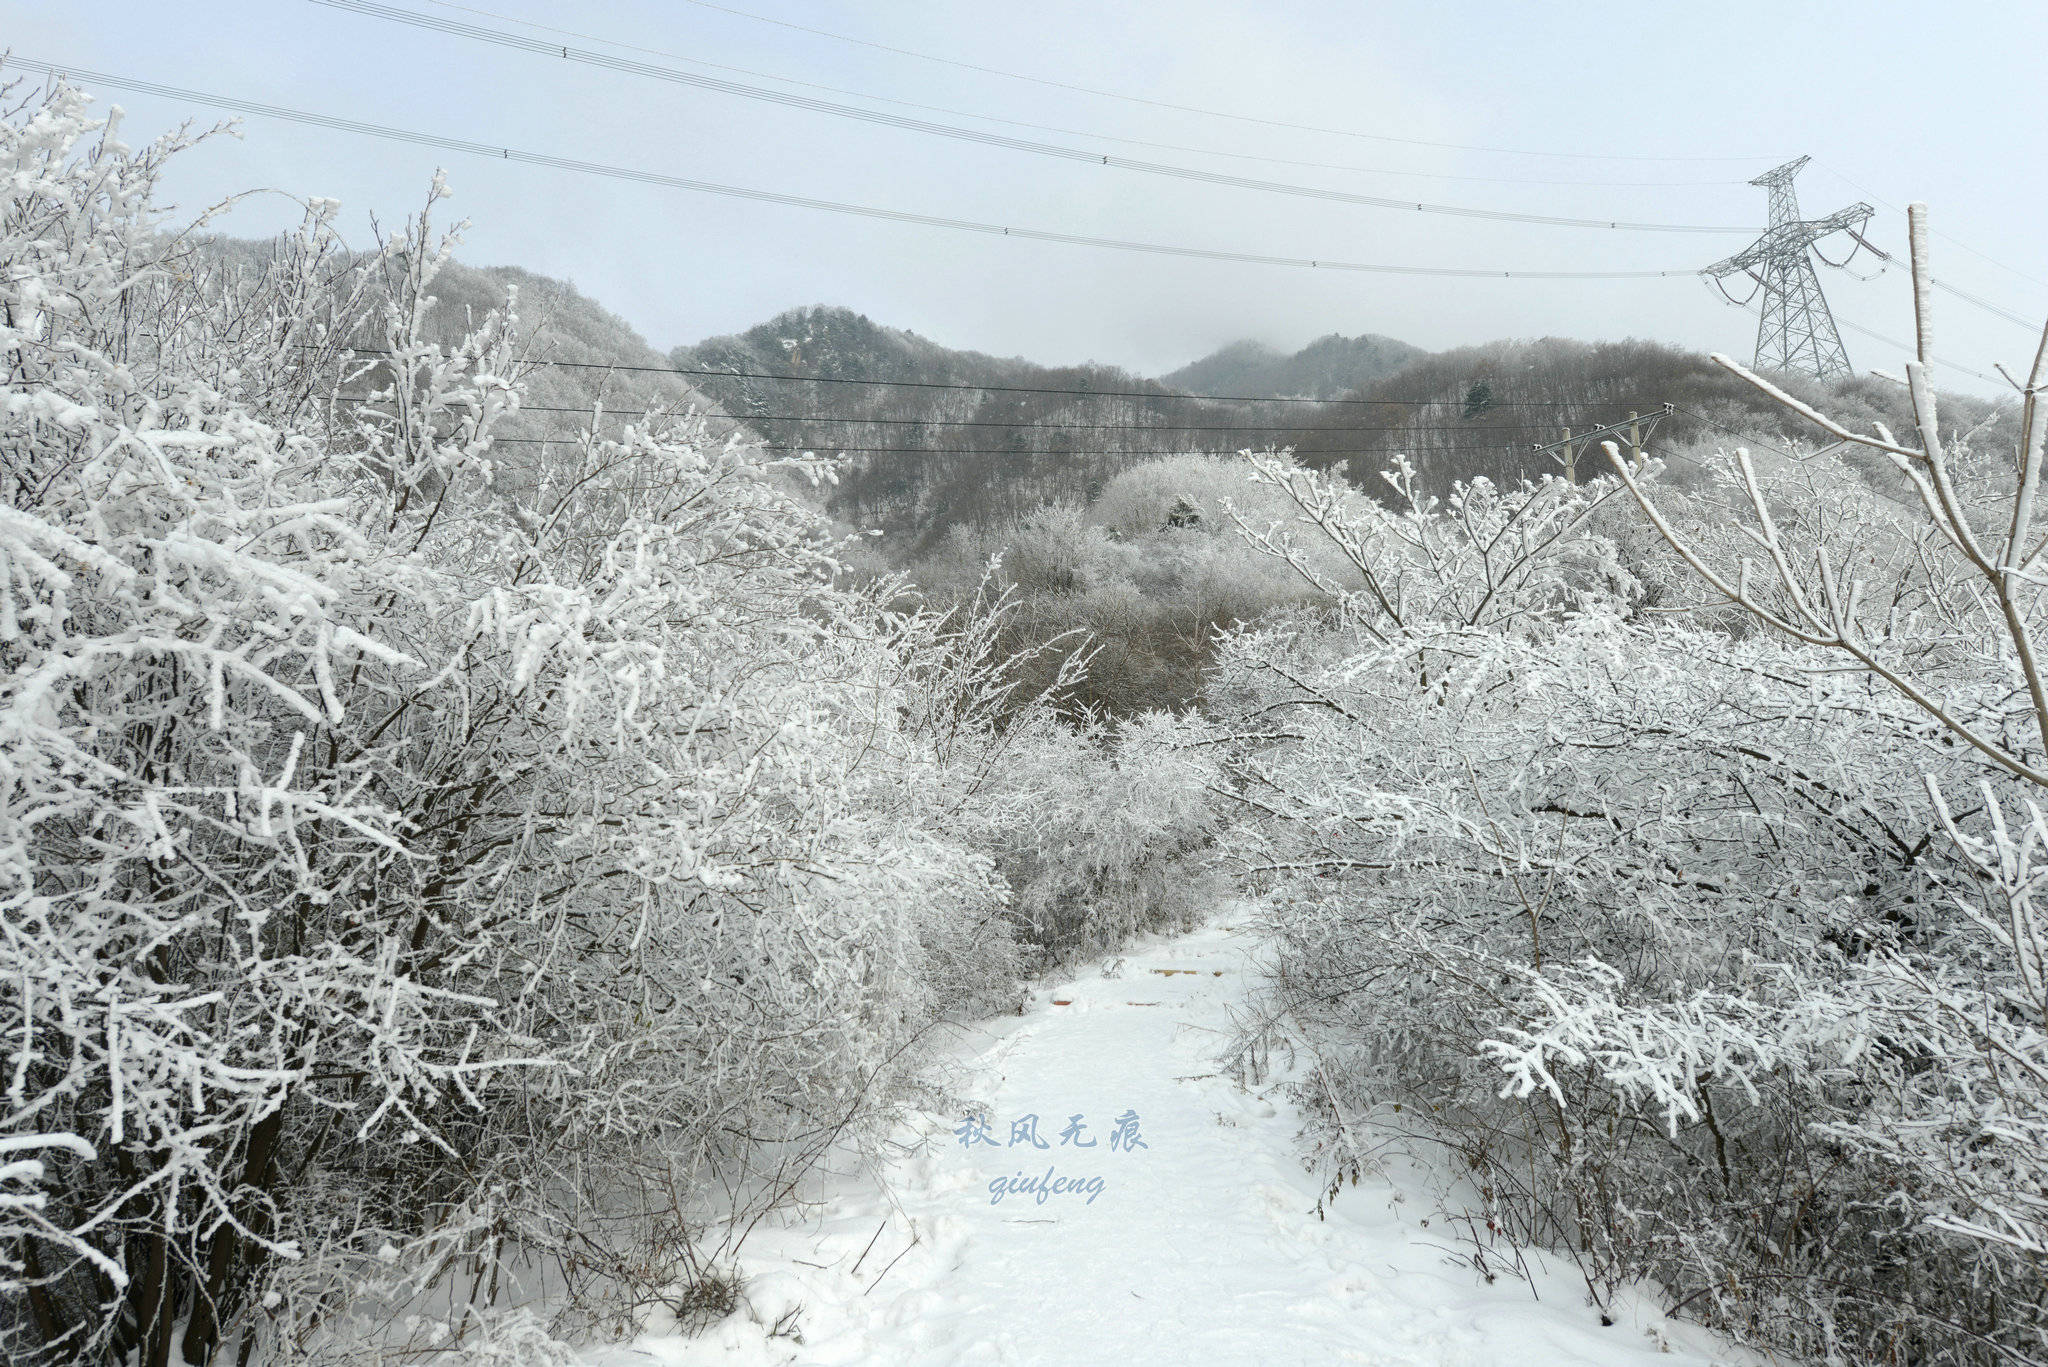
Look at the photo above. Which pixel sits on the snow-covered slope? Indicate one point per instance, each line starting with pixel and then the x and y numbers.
pixel 1204 1246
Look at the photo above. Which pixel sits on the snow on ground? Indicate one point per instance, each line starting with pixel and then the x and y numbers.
pixel 1201 1247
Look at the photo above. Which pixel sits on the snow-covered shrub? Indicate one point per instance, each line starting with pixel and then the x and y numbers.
pixel 1139 582
pixel 1660 927
pixel 1101 827
pixel 1117 844
pixel 411 879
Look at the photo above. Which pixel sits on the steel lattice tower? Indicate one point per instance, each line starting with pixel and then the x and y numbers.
pixel 1796 331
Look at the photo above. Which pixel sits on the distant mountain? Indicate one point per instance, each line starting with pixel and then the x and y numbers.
pixel 605 361
pixel 838 343
pixel 1327 368
pixel 955 443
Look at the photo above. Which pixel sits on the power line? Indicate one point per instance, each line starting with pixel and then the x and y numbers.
pixel 2017 319
pixel 1946 237
pixel 1028 423
pixel 828 447
pixel 1898 345
pixel 1984 304
pixel 1184 448
pixel 1007 389
pixel 1678 456
pixel 1892 342
pixel 500 153
pixel 1942 285
pixel 1167 104
pixel 1694 461
pixel 374 10
pixel 1753 441
pixel 1681 457
pixel 1071 132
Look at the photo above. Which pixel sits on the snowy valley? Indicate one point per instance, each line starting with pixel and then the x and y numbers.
pixel 519 849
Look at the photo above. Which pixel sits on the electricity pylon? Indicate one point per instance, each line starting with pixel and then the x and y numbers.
pixel 1796 331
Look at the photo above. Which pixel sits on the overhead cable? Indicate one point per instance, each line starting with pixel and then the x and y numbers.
pixel 1945 287
pixel 1180 395
pixel 833 448
pixel 1029 423
pixel 1946 237
pixel 1185 108
pixel 501 153
pixel 976 135
pixel 1073 132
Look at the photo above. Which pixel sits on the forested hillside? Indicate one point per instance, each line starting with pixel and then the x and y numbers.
pixel 1477 411
pixel 969 438
pixel 975 439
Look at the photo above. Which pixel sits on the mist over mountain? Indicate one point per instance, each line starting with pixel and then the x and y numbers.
pixel 1326 368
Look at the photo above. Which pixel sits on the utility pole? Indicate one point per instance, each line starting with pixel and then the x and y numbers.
pixel 1796 330
pixel 1635 430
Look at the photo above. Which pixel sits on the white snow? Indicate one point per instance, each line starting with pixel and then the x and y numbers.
pixel 1204 1247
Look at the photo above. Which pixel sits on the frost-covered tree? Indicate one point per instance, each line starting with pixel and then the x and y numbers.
pixel 414 879
pixel 1682 937
pixel 1953 632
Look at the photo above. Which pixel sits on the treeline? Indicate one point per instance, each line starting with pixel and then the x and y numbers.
pixel 1142 576
pixel 967 450
pixel 921 460
pixel 1477 412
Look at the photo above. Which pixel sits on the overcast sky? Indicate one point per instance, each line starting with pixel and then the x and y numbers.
pixel 1894 102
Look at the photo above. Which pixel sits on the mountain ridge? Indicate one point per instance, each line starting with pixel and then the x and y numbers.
pixel 1327 368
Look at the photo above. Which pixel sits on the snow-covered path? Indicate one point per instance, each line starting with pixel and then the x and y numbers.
pixel 1201 1247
